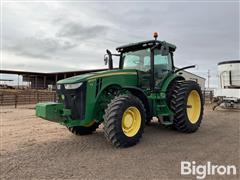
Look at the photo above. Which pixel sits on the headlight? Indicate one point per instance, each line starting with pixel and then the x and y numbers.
pixel 58 86
pixel 72 86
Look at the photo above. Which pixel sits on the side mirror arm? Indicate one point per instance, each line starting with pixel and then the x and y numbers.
pixel 187 67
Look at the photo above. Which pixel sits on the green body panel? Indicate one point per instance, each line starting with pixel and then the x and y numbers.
pixel 111 78
pixel 95 75
pixel 97 101
pixel 117 78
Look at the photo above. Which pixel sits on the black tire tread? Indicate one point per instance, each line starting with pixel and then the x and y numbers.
pixel 112 115
pixel 178 106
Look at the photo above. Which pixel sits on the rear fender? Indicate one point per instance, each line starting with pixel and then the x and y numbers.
pixel 167 81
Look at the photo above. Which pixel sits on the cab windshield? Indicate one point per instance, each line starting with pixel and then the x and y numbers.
pixel 140 60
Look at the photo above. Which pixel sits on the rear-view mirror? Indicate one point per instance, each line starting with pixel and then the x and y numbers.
pixel 106 59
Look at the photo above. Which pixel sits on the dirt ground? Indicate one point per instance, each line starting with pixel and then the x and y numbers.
pixel 32 148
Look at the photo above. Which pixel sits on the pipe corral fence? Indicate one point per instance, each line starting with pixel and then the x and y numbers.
pixel 25 97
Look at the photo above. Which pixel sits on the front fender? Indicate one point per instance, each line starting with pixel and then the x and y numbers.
pixel 142 96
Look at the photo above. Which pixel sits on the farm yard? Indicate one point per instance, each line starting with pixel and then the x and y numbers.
pixel 35 148
pixel 104 90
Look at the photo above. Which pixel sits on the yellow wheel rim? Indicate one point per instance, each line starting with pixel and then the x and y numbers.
pixel 131 121
pixel 193 106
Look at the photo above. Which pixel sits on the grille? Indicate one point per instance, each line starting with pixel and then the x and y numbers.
pixel 74 99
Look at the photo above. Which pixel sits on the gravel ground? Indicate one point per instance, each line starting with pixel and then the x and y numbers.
pixel 32 148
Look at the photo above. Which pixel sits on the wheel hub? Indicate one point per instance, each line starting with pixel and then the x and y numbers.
pixel 193 106
pixel 128 120
pixel 131 121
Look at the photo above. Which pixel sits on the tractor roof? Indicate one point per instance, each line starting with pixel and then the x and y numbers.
pixel 144 44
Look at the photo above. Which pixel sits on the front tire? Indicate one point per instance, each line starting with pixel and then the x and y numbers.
pixel 187 104
pixel 83 130
pixel 124 120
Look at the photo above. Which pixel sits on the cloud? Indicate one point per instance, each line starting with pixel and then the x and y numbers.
pixel 38 47
pixel 78 33
pixel 76 30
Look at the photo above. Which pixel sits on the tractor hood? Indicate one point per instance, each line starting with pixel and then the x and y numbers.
pixel 94 75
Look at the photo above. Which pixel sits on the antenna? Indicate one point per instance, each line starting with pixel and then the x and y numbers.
pixel 209 76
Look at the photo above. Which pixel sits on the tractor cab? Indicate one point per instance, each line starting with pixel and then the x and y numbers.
pixel 152 59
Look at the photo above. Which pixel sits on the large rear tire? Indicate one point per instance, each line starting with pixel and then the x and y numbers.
pixel 169 93
pixel 83 130
pixel 187 104
pixel 124 120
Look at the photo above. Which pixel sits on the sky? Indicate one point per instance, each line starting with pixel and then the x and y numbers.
pixel 50 36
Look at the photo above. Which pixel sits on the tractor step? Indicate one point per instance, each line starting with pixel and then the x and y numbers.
pixel 167 123
pixel 161 106
pixel 164 114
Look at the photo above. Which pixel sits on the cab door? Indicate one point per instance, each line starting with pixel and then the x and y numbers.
pixel 145 73
pixel 162 66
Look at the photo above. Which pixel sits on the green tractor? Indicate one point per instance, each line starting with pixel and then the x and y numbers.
pixel 145 85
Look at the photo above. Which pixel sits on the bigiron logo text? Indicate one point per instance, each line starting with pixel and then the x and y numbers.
pixel 202 170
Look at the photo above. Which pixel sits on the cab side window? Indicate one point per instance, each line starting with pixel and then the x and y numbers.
pixel 163 60
pixel 162 65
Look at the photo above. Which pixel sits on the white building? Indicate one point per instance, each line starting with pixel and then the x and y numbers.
pixel 190 76
pixel 229 83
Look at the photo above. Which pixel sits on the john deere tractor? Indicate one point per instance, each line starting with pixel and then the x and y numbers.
pixel 145 85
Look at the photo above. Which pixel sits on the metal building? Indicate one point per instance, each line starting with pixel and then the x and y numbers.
pixel 40 80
